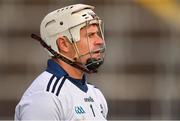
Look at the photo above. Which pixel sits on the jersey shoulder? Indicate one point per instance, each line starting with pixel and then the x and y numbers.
pixel 45 83
pixel 94 88
pixel 42 93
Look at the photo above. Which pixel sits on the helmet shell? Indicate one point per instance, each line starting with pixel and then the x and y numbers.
pixel 67 22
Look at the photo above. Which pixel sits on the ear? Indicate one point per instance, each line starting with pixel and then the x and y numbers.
pixel 62 44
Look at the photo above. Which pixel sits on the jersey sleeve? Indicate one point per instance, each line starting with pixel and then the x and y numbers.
pixel 40 106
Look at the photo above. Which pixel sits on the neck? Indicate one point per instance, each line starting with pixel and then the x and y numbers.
pixel 72 71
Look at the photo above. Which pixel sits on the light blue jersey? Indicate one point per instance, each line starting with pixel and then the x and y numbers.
pixel 55 96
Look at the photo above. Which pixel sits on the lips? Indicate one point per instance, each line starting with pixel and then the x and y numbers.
pixel 96 54
pixel 101 50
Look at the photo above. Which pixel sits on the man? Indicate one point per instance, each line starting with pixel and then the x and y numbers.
pixel 74 39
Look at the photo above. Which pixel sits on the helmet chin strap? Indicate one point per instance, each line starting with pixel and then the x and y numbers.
pixel 91 64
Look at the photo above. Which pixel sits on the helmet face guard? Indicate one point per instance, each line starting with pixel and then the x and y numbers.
pixel 91 63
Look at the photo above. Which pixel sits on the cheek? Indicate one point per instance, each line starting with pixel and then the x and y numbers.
pixel 71 53
pixel 83 46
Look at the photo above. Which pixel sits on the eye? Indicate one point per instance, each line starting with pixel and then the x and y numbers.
pixel 90 35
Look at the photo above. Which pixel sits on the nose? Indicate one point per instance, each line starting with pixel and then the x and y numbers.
pixel 99 40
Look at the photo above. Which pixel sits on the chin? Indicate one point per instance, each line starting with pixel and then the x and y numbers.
pixel 96 56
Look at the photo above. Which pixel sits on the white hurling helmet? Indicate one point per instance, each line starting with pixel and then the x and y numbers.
pixel 67 22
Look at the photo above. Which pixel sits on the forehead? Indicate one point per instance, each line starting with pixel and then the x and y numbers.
pixel 91 27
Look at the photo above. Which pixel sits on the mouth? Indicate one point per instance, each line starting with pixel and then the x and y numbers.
pixel 97 51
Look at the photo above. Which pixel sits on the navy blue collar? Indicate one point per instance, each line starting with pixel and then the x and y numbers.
pixel 55 69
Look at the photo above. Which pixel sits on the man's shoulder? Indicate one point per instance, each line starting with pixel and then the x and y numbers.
pixel 43 76
pixel 92 86
pixel 44 83
pixel 95 89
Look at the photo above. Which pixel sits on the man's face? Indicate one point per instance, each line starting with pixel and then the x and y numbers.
pixel 90 41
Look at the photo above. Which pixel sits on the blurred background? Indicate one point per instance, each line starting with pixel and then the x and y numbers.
pixel 141 74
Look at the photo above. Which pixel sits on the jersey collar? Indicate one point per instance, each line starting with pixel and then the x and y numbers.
pixel 58 71
pixel 81 84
